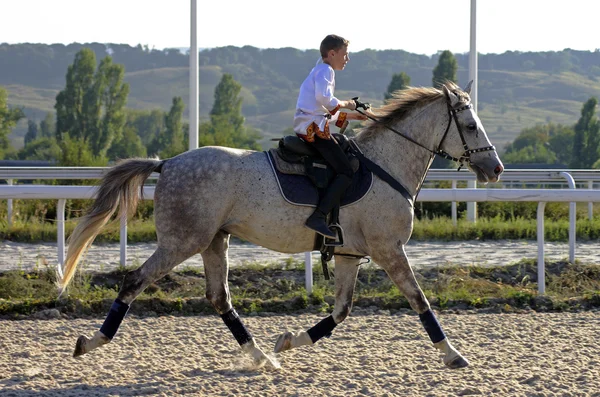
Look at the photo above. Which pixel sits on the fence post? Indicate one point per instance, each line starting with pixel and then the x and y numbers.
pixel 9 205
pixel 572 218
pixel 309 273
pixel 123 238
pixel 454 217
pixel 60 234
pixel 590 204
pixel 472 206
pixel 541 267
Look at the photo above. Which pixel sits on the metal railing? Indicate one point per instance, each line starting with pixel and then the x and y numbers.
pixel 542 196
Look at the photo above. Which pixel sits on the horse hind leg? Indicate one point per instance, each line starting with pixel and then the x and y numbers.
pixel 157 266
pixel 346 271
pixel 398 268
pixel 216 269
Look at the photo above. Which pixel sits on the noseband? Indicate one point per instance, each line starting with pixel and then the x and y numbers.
pixel 466 156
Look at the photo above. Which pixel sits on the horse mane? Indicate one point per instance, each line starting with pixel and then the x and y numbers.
pixel 404 101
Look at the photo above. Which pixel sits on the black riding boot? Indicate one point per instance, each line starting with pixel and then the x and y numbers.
pixel 318 220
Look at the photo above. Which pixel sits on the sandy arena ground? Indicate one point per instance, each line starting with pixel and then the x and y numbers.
pixel 104 257
pixel 372 354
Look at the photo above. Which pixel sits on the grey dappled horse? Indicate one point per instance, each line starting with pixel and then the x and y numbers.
pixel 203 196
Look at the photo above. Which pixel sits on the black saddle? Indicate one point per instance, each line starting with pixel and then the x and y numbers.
pixel 302 175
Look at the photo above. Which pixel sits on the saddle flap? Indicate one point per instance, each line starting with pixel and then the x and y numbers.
pixel 286 167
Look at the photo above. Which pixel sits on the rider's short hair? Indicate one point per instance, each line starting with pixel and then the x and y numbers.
pixel 332 42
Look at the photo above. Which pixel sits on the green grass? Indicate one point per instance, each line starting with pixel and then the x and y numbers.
pixel 440 228
pixel 280 288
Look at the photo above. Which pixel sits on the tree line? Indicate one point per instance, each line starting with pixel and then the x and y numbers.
pixel 91 125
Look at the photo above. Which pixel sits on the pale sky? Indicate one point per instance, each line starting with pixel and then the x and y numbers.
pixel 416 26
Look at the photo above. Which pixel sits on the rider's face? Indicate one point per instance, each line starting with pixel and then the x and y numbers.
pixel 338 59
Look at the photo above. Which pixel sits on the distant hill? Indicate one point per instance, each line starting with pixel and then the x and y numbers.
pixel 516 90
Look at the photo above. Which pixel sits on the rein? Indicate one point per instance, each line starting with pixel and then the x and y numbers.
pixel 452 116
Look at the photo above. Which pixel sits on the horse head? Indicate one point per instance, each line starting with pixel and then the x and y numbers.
pixel 465 138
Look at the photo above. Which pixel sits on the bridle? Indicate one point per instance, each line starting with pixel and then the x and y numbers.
pixel 452 113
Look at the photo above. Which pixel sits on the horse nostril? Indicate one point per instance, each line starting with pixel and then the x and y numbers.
pixel 498 170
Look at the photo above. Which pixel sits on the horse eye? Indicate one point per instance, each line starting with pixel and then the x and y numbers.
pixel 472 127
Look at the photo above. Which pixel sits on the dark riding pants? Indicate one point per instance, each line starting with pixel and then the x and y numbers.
pixel 334 155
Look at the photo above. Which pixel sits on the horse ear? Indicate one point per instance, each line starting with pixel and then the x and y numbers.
pixel 452 97
pixel 468 87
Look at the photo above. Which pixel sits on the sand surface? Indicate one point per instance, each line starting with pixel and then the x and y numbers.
pixel 371 354
pixel 104 257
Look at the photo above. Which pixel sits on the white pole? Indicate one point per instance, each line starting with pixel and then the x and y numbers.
pixel 590 205
pixel 194 90
pixel 60 233
pixel 454 214
pixel 123 238
pixel 572 217
pixel 472 207
pixel 308 270
pixel 541 267
pixel 9 206
pixel 473 54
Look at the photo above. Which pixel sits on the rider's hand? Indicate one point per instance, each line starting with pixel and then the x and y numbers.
pixel 360 105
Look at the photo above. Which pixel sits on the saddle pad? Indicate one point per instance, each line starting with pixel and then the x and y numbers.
pixel 299 189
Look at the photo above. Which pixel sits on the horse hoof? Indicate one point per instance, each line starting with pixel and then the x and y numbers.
pixel 284 342
pixel 80 346
pixel 458 362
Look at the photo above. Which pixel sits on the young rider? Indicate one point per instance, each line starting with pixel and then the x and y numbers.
pixel 315 109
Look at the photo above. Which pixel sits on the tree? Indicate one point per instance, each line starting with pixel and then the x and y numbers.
pixel 226 126
pixel 586 140
pixel 228 103
pixel 8 119
pixel 174 129
pixel 32 131
pixel 90 108
pixel 47 127
pixel 399 82
pixel 445 69
pixel 169 140
pixel 128 145
pixel 44 148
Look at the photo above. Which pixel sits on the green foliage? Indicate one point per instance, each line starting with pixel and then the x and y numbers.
pixel 174 130
pixel 399 82
pixel 77 152
pixel 587 136
pixel 226 126
pixel 445 69
pixel 44 148
pixel 90 108
pixel 8 119
pixel 32 131
pixel 128 145
pixel 47 127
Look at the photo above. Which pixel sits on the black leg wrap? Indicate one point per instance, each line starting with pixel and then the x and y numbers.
pixel 432 326
pixel 237 328
pixel 322 329
pixel 115 316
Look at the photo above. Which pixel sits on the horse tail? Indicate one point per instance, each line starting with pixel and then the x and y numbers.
pixel 120 186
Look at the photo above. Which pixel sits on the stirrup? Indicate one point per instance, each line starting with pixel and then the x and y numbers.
pixel 336 227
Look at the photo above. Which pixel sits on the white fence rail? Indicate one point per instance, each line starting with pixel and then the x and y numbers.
pixel 542 196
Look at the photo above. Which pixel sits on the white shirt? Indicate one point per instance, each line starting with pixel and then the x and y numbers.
pixel 316 99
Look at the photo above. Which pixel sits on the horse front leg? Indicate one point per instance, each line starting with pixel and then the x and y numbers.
pixel 216 269
pixel 398 268
pixel 346 270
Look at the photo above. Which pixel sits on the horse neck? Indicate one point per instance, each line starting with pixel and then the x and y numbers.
pixel 404 160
